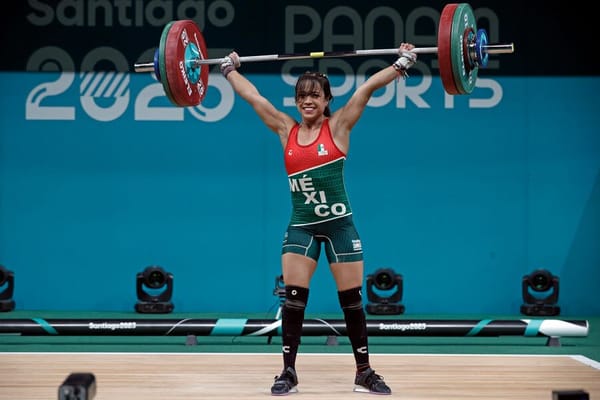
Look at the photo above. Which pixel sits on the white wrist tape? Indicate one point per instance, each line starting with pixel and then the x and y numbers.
pixel 229 65
pixel 404 62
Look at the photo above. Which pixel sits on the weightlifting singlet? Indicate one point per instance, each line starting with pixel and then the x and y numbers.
pixel 316 178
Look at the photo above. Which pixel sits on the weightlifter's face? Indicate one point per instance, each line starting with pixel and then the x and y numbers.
pixel 311 101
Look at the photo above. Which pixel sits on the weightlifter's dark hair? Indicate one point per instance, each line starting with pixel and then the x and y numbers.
pixel 308 81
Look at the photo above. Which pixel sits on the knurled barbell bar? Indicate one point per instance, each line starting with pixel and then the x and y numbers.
pixel 181 64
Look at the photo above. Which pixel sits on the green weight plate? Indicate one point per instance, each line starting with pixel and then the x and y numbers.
pixel 463 27
pixel 161 61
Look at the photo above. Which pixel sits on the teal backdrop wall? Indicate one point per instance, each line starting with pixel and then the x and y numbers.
pixel 100 176
pixel 462 200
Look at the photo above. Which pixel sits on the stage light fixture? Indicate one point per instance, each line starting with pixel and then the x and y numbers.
pixel 384 292
pixel 7 287
pixel 540 293
pixel 279 291
pixel 78 386
pixel 154 288
pixel 578 394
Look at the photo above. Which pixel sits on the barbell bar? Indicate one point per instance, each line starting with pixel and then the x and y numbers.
pixel 489 49
pixel 182 66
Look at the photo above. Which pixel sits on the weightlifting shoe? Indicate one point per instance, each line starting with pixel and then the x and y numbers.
pixel 285 383
pixel 369 382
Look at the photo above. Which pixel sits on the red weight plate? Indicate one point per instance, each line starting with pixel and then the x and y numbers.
pixel 186 80
pixel 445 47
pixel 202 85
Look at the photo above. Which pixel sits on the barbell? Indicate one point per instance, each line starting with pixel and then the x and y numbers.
pixel 181 64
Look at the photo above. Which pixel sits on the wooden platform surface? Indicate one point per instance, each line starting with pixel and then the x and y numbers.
pixel 168 376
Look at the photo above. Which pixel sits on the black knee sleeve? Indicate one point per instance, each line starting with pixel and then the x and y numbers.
pixel 356 324
pixel 292 316
pixel 351 299
pixel 296 297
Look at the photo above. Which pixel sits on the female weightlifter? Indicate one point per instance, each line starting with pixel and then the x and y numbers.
pixel 315 150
